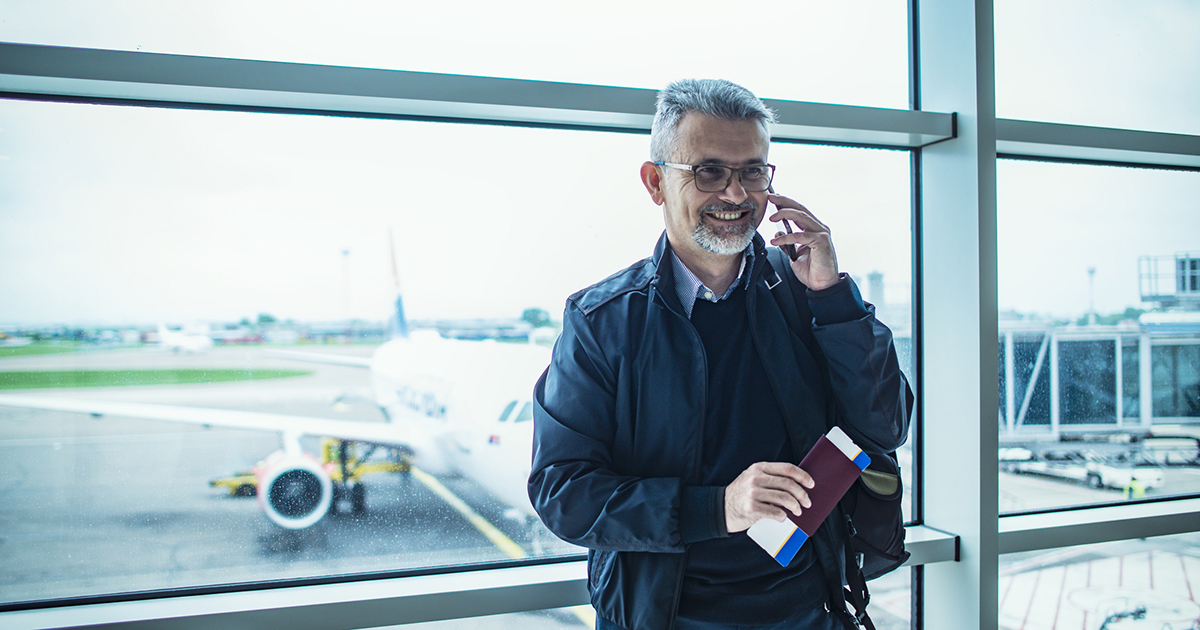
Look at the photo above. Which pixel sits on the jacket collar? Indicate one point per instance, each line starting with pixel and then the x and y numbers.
pixel 663 281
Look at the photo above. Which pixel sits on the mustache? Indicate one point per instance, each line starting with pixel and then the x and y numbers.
pixel 728 207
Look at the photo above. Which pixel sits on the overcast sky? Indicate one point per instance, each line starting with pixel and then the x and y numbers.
pixel 131 215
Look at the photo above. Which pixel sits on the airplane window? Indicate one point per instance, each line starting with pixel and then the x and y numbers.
pixel 1086 327
pixel 227 265
pixel 865 43
pixel 507 410
pixel 526 413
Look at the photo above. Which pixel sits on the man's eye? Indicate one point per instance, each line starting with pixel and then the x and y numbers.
pixel 709 173
pixel 754 172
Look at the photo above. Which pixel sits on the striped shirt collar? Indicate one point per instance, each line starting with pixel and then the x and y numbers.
pixel 689 288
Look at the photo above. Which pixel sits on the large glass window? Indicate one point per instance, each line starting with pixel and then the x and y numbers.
pixel 1089 329
pixel 181 261
pixel 1145 583
pixel 1102 63
pixel 829 52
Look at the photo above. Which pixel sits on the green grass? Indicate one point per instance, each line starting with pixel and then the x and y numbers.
pixel 37 379
pixel 38 348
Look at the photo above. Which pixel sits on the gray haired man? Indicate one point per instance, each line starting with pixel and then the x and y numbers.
pixel 678 401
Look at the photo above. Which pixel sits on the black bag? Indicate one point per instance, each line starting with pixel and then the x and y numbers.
pixel 871 508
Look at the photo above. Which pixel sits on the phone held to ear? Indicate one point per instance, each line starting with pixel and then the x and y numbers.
pixel 787 225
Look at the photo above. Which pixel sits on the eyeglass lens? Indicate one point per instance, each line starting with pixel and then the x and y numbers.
pixel 713 178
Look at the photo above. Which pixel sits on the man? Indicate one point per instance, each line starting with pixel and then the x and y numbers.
pixel 678 401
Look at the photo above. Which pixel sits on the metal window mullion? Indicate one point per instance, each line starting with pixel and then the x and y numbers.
pixel 164 80
pixel 960 342
pixel 1102 524
pixel 1024 139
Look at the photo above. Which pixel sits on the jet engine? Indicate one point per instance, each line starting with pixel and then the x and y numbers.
pixel 293 489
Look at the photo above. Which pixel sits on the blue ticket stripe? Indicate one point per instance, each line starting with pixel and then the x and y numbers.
pixel 862 461
pixel 789 548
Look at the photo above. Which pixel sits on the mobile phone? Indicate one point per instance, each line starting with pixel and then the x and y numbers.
pixel 787 225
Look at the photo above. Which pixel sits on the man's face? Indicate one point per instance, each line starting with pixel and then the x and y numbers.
pixel 707 224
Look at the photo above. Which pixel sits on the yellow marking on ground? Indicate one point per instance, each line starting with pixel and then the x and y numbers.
pixel 497 537
pixel 585 613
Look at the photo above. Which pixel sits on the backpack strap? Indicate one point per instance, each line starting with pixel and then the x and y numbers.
pixel 781 287
pixel 856 594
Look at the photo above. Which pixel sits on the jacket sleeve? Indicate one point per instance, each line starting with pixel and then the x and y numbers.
pixel 872 394
pixel 574 482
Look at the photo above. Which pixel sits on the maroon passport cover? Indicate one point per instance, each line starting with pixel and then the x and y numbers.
pixel 833 473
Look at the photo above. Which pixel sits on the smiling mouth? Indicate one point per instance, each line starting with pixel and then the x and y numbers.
pixel 728 216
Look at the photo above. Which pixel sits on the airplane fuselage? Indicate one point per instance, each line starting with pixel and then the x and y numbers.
pixel 463 407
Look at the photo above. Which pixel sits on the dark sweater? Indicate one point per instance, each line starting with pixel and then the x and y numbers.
pixel 731 579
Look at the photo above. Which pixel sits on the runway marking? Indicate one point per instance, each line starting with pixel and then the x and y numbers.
pixel 504 543
pixel 585 613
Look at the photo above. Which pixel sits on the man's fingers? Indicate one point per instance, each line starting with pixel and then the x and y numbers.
pixel 805 221
pixel 784 469
pixel 796 212
pixel 766 490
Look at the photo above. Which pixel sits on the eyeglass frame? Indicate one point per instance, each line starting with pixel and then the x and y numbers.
pixel 732 170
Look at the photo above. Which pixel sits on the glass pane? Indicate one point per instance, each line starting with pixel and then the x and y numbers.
pixel 1083 299
pixel 1176 380
pixel 175 258
pixel 1145 583
pixel 1003 353
pixel 862 61
pixel 1088 382
pixel 1106 63
pixel 891 600
pixel 1131 383
pixel 872 232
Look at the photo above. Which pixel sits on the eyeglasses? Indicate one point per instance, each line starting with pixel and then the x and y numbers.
pixel 715 178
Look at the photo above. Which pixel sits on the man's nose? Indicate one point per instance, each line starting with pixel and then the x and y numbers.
pixel 733 192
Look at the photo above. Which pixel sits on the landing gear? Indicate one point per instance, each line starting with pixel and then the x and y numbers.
pixel 346 487
pixel 349 470
pixel 358 499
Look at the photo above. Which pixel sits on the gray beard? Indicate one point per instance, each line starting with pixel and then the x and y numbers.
pixel 725 240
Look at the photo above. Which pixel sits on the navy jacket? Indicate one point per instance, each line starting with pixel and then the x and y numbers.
pixel 619 412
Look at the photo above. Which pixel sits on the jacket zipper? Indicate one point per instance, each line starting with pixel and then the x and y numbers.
pixel 699 459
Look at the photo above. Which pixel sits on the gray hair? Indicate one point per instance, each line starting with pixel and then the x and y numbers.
pixel 713 97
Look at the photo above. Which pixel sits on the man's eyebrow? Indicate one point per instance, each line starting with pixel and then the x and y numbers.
pixel 720 162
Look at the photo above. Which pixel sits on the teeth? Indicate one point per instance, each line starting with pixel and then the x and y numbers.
pixel 727 216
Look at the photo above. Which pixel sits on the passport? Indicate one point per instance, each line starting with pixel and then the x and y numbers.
pixel 835 463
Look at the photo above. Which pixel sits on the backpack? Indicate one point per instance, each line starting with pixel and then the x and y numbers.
pixel 870 509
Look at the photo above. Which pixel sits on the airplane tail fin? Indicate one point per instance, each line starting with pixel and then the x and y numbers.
pixel 399 321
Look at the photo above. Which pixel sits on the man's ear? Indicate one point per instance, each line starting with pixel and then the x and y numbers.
pixel 652 179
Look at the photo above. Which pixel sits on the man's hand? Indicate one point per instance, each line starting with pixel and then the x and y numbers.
pixel 765 490
pixel 816 266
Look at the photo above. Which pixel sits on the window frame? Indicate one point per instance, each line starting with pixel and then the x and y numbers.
pixel 955 139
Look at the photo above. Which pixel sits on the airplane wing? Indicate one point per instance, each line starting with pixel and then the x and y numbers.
pixel 320 357
pixel 290 426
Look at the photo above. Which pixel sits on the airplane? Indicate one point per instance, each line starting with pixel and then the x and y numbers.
pixel 456 406
pixel 180 341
